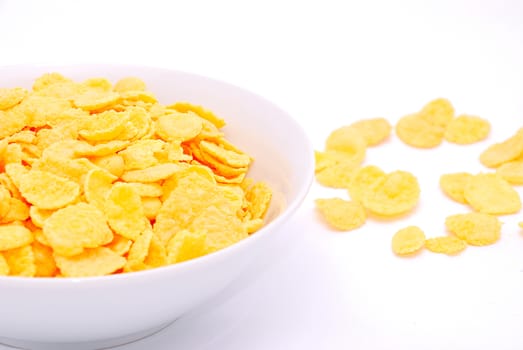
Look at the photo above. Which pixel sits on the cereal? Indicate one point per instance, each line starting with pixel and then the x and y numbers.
pixel 475 228
pixel 383 194
pixel 449 245
pixel 374 130
pixel 21 261
pixel 512 172
pixel 466 129
pixel 98 179
pixel 71 229
pixel 92 262
pixel 408 240
pixel 347 140
pixel 124 211
pixel 46 190
pixel 503 152
pixel 342 214
pixel 438 112
pixel 335 168
pixel 490 194
pixel 453 185
pixel 14 236
pixel 10 97
pixel 419 132
pixel 186 245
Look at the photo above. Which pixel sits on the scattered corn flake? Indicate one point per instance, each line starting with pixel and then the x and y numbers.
pixel 186 245
pixel 4 267
pixel 151 174
pixel 504 151
pixel 71 229
pixel 124 211
pixel 491 194
pixel 453 185
pixel 21 261
pixel 348 140
pixel 129 84
pixel 449 245
pixel 408 240
pixel 46 190
pixel 373 130
pixel 342 214
pixel 475 228
pixel 44 260
pixel 512 172
pixel 14 236
pixel 98 261
pixel 438 112
pixel 364 180
pixel 419 132
pixel 337 175
pixel 467 129
pixel 179 126
pixel 10 97
pixel 206 114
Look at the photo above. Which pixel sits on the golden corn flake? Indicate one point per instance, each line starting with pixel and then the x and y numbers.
pixel 416 131
pixel 186 245
pixel 142 154
pixel 14 236
pixel 21 261
pixel 4 267
pixel 98 261
pixel 71 229
pixel 453 185
pixel 449 245
pixel 46 190
pixel 120 245
pixel 151 174
pixel 342 214
pixel 124 211
pixel 105 126
pixel 10 97
pixel 206 114
pixel 374 130
pixel 503 152
pixel 179 126
pixel 512 172
pixel 38 215
pixel 475 228
pixel 438 112
pixel 113 163
pixel 408 240
pixel 394 194
pixel 348 140
pixel 491 194
pixel 97 185
pixel 18 211
pixel 258 197
pixel 147 189
pixel 364 180
pixel 466 129
pixel 140 247
pixel 12 122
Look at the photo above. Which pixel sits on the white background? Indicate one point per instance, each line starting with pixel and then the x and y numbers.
pixel 329 63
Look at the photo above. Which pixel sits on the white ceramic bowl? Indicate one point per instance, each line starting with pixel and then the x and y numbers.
pixel 104 311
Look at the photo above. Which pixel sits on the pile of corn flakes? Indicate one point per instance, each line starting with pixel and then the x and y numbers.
pixel 97 179
pixel 372 191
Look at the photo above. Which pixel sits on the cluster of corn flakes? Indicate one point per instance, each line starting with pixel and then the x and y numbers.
pixel 372 191
pixel 97 179
pixel 436 122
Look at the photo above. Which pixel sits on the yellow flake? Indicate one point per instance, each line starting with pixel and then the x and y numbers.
pixel 342 214
pixel 475 228
pixel 408 240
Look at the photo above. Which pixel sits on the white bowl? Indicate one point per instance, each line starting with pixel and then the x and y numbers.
pixel 104 311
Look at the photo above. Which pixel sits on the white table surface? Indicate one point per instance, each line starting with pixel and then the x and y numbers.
pixel 329 63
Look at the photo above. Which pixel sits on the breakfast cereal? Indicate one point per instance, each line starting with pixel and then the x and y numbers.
pixel 449 245
pixel 342 214
pixel 408 240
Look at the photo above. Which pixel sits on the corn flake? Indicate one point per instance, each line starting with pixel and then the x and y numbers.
pixel 449 245
pixel 179 126
pixel 46 190
pixel 71 229
pixel 512 172
pixel 151 174
pixel 408 240
pixel 341 214
pixel 453 185
pixel 206 114
pixel 14 236
pixel 438 112
pixel 98 261
pixel 475 228
pixel 490 194
pixel 467 129
pixel 503 152
pixel 21 261
pixel 44 260
pixel 186 245
pixel 124 211
pixel 10 97
pixel 348 140
pixel 373 130
pixel 419 132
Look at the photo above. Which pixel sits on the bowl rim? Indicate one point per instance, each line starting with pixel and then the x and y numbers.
pixel 289 210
